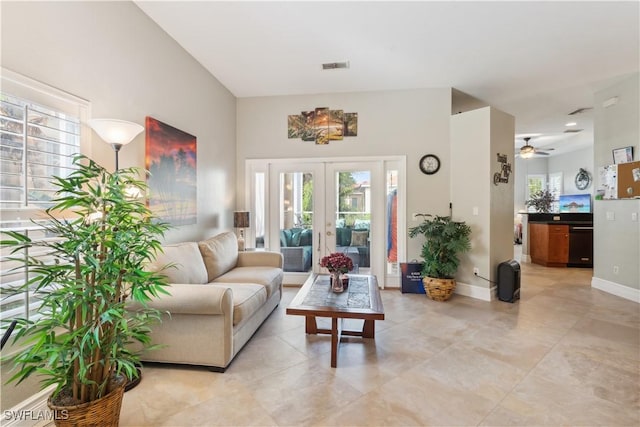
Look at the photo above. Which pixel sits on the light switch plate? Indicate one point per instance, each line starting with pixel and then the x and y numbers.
pixel 611 216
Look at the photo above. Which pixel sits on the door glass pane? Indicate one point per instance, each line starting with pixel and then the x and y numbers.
pixel 296 219
pixel 260 209
pixel 391 222
pixel 555 188
pixel 353 217
pixel 535 183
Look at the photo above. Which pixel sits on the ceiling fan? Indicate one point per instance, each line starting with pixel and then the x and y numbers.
pixel 527 150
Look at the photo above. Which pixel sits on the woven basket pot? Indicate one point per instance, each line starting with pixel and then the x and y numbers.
pixel 439 289
pixel 103 412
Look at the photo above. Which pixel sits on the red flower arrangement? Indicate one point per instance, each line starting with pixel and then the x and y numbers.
pixel 337 262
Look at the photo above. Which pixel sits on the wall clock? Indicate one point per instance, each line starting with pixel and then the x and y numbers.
pixel 583 179
pixel 429 164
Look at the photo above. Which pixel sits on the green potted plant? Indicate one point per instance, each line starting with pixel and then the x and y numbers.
pixel 540 201
pixel 445 240
pixel 102 239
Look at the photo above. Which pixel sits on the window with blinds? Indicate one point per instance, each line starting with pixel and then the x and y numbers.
pixel 36 143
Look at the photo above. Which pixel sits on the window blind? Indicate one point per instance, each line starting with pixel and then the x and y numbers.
pixel 36 143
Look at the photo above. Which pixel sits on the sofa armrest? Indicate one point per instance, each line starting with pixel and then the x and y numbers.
pixel 192 299
pixel 260 258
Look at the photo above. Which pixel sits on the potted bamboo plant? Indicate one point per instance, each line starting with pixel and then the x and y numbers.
pixel 94 266
pixel 445 240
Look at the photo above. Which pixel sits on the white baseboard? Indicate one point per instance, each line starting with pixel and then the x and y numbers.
pixel 477 292
pixel 616 289
pixel 32 412
pixel 525 258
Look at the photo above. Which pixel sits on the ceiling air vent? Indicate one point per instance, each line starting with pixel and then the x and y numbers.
pixel 572 130
pixel 580 110
pixel 335 65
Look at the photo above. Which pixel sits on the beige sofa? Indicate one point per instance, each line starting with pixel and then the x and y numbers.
pixel 219 298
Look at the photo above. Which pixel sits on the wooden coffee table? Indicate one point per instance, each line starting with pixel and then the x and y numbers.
pixel 361 300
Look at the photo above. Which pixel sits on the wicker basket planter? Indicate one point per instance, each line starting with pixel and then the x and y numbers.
pixel 439 289
pixel 104 412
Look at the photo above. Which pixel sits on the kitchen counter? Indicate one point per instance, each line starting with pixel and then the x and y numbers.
pixel 561 240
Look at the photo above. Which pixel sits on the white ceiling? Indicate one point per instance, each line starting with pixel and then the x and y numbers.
pixel 535 60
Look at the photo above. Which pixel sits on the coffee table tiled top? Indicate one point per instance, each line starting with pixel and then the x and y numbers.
pixel 361 300
pixel 355 296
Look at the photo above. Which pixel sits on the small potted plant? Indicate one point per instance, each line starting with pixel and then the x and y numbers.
pixel 445 240
pixel 95 264
pixel 337 263
pixel 540 201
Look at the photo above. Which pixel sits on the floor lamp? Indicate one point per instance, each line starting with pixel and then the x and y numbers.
pixel 118 133
pixel 241 221
pixel 115 132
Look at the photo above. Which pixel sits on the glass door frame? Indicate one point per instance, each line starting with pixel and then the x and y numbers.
pixel 377 207
pixel 273 216
pixel 267 167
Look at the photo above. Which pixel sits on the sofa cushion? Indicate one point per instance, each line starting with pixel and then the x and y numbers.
pixel 295 237
pixel 359 238
pixel 220 254
pixel 188 267
pixel 269 277
pixel 343 236
pixel 247 299
pixel 362 224
pixel 306 237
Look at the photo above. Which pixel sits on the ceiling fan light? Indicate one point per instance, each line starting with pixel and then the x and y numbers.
pixel 526 155
pixel 527 151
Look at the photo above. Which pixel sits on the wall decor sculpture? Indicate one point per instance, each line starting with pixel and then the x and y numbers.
pixel 505 170
pixel 171 161
pixel 322 125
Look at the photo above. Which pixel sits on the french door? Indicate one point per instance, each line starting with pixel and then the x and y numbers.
pixel 307 209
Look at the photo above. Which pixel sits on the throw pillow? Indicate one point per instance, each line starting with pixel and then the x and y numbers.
pixel 220 253
pixel 306 237
pixel 295 238
pixel 188 265
pixel 359 238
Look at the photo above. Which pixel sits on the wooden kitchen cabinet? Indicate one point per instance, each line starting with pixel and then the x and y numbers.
pixel 549 244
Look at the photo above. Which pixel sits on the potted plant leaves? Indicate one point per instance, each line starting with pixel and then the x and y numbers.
pixel 540 201
pixel 99 240
pixel 445 240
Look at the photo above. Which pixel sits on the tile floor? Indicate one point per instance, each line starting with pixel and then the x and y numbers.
pixel 565 354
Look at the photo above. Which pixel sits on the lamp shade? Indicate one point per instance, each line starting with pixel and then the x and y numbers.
pixel 241 219
pixel 115 131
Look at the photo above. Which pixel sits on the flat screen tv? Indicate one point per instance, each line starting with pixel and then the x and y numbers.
pixel 575 203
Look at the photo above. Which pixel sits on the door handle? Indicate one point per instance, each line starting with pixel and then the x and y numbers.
pixel 319 244
pixel 329 233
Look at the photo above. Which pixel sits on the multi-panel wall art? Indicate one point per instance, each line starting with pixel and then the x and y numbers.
pixel 322 125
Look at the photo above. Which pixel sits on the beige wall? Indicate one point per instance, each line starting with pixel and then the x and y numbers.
pixel 569 164
pixel 617 241
pixel 113 55
pixel 522 168
pixel 411 123
pixel 474 164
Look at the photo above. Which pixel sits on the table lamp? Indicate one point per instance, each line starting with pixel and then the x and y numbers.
pixel 241 221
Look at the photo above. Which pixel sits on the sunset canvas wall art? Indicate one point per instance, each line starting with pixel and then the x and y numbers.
pixel 172 179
